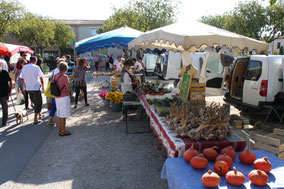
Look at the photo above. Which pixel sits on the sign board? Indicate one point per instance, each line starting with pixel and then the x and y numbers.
pixel 185 86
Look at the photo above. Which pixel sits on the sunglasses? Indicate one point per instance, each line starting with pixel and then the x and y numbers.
pixel 24 55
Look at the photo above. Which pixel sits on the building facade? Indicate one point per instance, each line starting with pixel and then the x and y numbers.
pixel 274 46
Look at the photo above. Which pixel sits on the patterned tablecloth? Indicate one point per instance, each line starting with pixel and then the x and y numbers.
pixel 181 175
pixel 175 146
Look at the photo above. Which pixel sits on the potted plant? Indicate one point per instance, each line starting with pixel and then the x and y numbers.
pixel 103 95
pixel 116 100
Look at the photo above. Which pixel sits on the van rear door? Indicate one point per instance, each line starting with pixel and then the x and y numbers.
pixel 213 73
pixel 256 82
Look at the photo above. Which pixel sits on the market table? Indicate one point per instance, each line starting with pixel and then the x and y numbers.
pixel 175 146
pixel 181 175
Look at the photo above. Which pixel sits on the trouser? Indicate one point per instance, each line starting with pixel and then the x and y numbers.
pixel 77 90
pixel 4 104
pixel 26 100
pixel 97 66
pixel 107 66
pixel 36 99
pixel 53 108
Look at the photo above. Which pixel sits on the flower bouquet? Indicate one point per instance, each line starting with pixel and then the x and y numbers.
pixel 103 95
pixel 114 97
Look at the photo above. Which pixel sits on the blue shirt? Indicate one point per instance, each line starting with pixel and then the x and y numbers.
pixel 70 68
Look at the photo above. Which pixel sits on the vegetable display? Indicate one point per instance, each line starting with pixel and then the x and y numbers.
pixel 198 121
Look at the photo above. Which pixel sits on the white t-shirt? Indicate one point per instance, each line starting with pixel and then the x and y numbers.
pixel 54 72
pixel 4 65
pixel 31 74
pixel 117 64
pixel 138 66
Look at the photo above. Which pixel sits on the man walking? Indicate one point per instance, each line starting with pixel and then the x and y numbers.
pixel 31 76
pixel 5 92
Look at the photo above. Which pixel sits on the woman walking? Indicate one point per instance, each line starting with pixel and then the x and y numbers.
pixel 79 75
pixel 63 101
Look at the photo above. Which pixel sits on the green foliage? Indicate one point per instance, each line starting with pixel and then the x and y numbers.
pixel 143 15
pixel 63 36
pixel 34 30
pixel 252 19
pixel 10 13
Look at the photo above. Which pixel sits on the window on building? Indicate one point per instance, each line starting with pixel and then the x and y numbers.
pixel 93 31
pixel 278 45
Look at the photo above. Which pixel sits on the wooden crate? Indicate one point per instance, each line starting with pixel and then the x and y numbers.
pixel 114 83
pixel 273 143
pixel 197 96
pixel 197 87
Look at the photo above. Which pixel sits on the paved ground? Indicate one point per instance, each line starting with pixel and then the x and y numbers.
pixel 98 154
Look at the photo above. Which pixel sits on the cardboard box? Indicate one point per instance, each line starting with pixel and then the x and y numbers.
pixel 197 87
pixel 197 96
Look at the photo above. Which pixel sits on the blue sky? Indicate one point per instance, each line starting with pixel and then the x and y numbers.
pixel 102 9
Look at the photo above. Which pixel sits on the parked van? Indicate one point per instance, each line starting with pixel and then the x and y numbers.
pixel 255 80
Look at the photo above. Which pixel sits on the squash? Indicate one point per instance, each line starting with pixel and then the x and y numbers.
pixel 199 162
pixel 210 179
pixel 258 177
pixel 247 157
pixel 229 151
pixel 221 167
pixel 210 153
pixel 190 153
pixel 263 164
pixel 226 158
pixel 235 177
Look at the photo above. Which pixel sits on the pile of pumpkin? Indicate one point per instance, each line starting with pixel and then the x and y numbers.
pixel 224 161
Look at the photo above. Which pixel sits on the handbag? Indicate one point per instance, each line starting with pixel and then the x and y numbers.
pixel 47 91
pixel 20 99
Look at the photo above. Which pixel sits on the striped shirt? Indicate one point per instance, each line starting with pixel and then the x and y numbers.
pixel 70 68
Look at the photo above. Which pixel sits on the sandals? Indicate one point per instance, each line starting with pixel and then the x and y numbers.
pixel 64 134
pixel 37 122
pixel 87 104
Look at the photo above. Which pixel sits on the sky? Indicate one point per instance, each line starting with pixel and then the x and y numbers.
pixel 102 9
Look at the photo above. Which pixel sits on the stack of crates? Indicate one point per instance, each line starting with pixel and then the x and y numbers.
pixel 197 92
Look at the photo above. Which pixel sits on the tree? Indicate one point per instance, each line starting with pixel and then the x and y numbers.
pixel 143 15
pixel 34 30
pixel 252 19
pixel 63 36
pixel 10 13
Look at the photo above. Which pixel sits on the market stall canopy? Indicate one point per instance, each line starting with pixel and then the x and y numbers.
pixel 13 49
pixel 192 36
pixel 4 51
pixel 116 38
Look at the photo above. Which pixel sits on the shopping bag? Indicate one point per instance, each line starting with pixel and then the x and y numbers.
pixel 20 99
pixel 47 91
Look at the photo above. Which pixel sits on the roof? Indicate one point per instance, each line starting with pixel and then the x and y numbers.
pixel 82 22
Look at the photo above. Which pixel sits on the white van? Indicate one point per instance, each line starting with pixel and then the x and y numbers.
pixel 255 80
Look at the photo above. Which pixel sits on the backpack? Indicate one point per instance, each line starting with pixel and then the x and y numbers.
pixel 54 89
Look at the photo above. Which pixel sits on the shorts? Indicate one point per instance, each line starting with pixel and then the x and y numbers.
pixel 63 107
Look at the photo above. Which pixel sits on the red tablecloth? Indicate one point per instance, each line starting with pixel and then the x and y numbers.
pixel 174 146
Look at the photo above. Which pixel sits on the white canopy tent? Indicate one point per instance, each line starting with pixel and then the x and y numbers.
pixel 191 36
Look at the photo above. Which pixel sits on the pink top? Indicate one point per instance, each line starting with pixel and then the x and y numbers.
pixel 62 83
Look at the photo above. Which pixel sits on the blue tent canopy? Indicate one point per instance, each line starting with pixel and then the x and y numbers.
pixel 116 38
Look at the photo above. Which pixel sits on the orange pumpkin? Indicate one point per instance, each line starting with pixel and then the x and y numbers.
pixel 190 153
pixel 210 179
pixel 263 164
pixel 247 157
pixel 258 177
pixel 226 158
pixel 210 153
pixel 235 177
pixel 229 151
pixel 199 162
pixel 221 167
